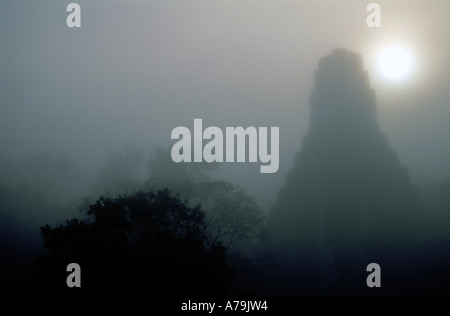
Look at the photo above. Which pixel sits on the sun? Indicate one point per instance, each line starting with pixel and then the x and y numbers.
pixel 395 63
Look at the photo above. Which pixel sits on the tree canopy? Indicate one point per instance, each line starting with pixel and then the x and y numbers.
pixel 144 243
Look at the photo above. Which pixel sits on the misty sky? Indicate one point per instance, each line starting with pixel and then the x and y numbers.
pixel 137 69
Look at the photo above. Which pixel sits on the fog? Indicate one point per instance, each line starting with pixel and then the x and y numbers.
pixel 84 109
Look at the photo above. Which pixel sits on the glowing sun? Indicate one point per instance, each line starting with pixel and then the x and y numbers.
pixel 395 63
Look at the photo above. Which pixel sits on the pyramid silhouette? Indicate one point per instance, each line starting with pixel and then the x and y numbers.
pixel 347 195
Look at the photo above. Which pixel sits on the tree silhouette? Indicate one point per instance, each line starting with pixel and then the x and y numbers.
pixel 145 243
pixel 231 214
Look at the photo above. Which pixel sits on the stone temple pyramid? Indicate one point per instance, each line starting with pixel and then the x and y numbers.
pixel 347 189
